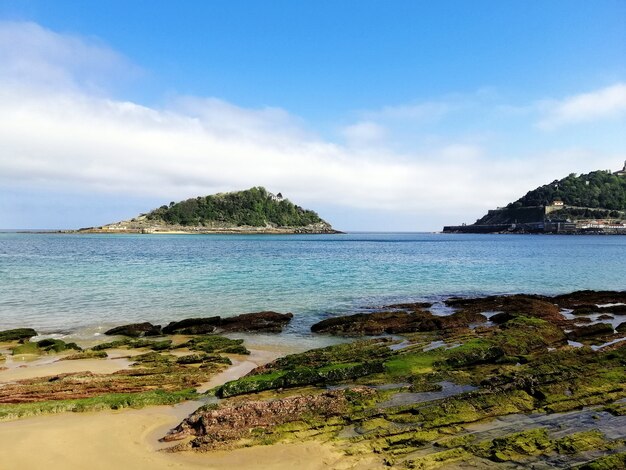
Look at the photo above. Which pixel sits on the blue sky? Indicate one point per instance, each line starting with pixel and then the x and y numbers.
pixel 380 115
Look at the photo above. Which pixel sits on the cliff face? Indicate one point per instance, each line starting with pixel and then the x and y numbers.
pixel 255 210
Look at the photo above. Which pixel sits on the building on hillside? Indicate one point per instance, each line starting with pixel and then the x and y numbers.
pixel 622 172
pixel 555 205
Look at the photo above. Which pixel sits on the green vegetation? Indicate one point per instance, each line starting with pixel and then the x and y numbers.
pixel 215 344
pixel 162 345
pixel 599 189
pixel 608 462
pixel 44 346
pixel 253 207
pixel 16 334
pixel 89 354
pixel 113 401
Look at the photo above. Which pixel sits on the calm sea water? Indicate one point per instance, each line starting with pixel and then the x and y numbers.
pixel 66 282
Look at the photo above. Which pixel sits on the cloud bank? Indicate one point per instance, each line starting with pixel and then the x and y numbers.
pixel 60 128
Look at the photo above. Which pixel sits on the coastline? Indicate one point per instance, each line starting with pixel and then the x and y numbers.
pixel 393 386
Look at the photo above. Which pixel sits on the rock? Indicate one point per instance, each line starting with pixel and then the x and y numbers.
pixel 394 322
pixel 298 377
pixel 135 330
pixel 266 322
pixel 621 328
pixel 213 427
pixel 590 298
pixel 605 317
pixel 378 323
pixel 17 334
pixel 596 329
pixel 192 326
pixel 512 305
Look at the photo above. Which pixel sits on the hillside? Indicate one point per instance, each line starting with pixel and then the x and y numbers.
pixel 594 201
pixel 598 189
pixel 255 210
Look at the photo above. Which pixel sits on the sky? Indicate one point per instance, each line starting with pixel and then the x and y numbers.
pixel 379 115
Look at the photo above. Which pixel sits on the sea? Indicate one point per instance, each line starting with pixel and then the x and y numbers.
pixel 63 283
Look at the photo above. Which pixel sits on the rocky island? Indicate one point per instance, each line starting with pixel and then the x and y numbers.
pixel 593 203
pixel 254 210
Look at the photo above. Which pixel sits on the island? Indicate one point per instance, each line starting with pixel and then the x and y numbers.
pixel 592 203
pixel 255 210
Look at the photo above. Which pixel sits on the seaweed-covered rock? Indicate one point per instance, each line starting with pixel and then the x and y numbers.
pixel 512 306
pixel 375 323
pixel 89 354
pixel 298 377
pixel 213 427
pixel 585 298
pixel 17 334
pixel 215 344
pixel 135 330
pixel 587 331
pixel 266 322
pixel 192 326
pixel 203 359
pixel 44 346
pixel 621 328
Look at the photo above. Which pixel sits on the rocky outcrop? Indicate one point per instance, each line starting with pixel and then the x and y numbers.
pixel 17 334
pixel 135 330
pixel 584 298
pixel 213 428
pixel 260 322
pixel 512 306
pixel 298 377
pixel 192 326
pixel 593 330
pixel 394 322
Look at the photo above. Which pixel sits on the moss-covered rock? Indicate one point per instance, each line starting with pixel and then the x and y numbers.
pixel 88 354
pixel 44 346
pixel 215 344
pixel 515 446
pixel 608 462
pixel 135 330
pixel 297 377
pixel 16 334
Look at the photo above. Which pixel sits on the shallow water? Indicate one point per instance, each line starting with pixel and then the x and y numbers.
pixel 57 282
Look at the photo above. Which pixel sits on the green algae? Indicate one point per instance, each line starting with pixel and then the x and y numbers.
pixel 88 354
pixel 438 459
pixel 129 343
pixel 44 346
pixel 112 401
pixel 608 462
pixel 515 446
pixel 581 442
pixel 215 344
pixel 17 334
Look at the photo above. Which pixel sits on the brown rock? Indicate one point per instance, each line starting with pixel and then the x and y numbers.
pixel 135 330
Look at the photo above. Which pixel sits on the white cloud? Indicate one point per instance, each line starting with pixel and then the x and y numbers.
pixel 36 56
pixel 364 133
pixel 609 102
pixel 59 134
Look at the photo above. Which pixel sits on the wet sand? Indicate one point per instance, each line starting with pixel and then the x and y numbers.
pixel 126 439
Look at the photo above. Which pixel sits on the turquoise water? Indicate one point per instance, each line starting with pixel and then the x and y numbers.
pixel 65 282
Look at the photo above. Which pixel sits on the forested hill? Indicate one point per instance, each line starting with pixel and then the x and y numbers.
pixel 598 189
pixel 255 207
